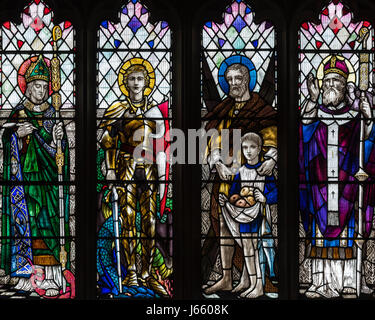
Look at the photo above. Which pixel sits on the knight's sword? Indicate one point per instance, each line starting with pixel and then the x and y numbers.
pixel 56 103
pixel 115 216
pixel 361 175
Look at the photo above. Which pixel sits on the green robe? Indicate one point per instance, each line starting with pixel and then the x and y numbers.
pixel 38 166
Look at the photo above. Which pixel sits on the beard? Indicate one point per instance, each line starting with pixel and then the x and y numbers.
pixel 333 96
pixel 237 91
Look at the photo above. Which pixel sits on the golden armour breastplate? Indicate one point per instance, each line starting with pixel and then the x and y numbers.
pixel 124 117
pixel 131 126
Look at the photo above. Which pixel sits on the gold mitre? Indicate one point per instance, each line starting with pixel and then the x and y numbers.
pixel 38 70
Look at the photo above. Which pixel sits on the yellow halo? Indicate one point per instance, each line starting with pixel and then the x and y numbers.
pixel 320 72
pixel 136 61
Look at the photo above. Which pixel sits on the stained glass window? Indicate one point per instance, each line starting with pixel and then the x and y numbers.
pixel 37 156
pixel 336 155
pixel 239 188
pixel 134 238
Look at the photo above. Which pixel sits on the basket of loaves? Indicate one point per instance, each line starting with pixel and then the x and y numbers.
pixel 243 207
pixel 245 199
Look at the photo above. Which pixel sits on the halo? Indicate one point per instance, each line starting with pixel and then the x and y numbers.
pixel 232 60
pixel 21 80
pixel 136 61
pixel 320 72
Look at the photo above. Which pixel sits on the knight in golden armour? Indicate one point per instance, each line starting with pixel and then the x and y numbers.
pixel 129 125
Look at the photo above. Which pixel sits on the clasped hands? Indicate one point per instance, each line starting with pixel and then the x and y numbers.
pixel 26 128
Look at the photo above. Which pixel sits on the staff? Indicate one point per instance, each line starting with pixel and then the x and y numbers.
pixel 361 175
pixel 56 103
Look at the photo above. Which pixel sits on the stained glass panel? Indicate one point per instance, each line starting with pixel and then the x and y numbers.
pixel 336 138
pixel 134 223
pixel 37 156
pixel 239 188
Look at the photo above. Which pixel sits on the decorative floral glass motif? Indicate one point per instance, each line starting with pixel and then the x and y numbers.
pixel 37 156
pixel 134 223
pixel 239 193
pixel 336 155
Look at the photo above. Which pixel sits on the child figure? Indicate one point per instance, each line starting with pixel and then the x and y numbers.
pixel 247 210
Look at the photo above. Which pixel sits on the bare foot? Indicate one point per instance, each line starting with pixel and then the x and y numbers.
pixel 243 285
pixel 224 284
pixel 244 282
pixel 251 288
pixel 257 292
pixel 312 295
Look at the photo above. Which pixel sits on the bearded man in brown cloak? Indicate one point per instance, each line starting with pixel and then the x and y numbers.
pixel 248 112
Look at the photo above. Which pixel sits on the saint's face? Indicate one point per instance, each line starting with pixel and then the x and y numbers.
pixel 38 91
pixel 236 81
pixel 136 82
pixel 250 150
pixel 334 88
